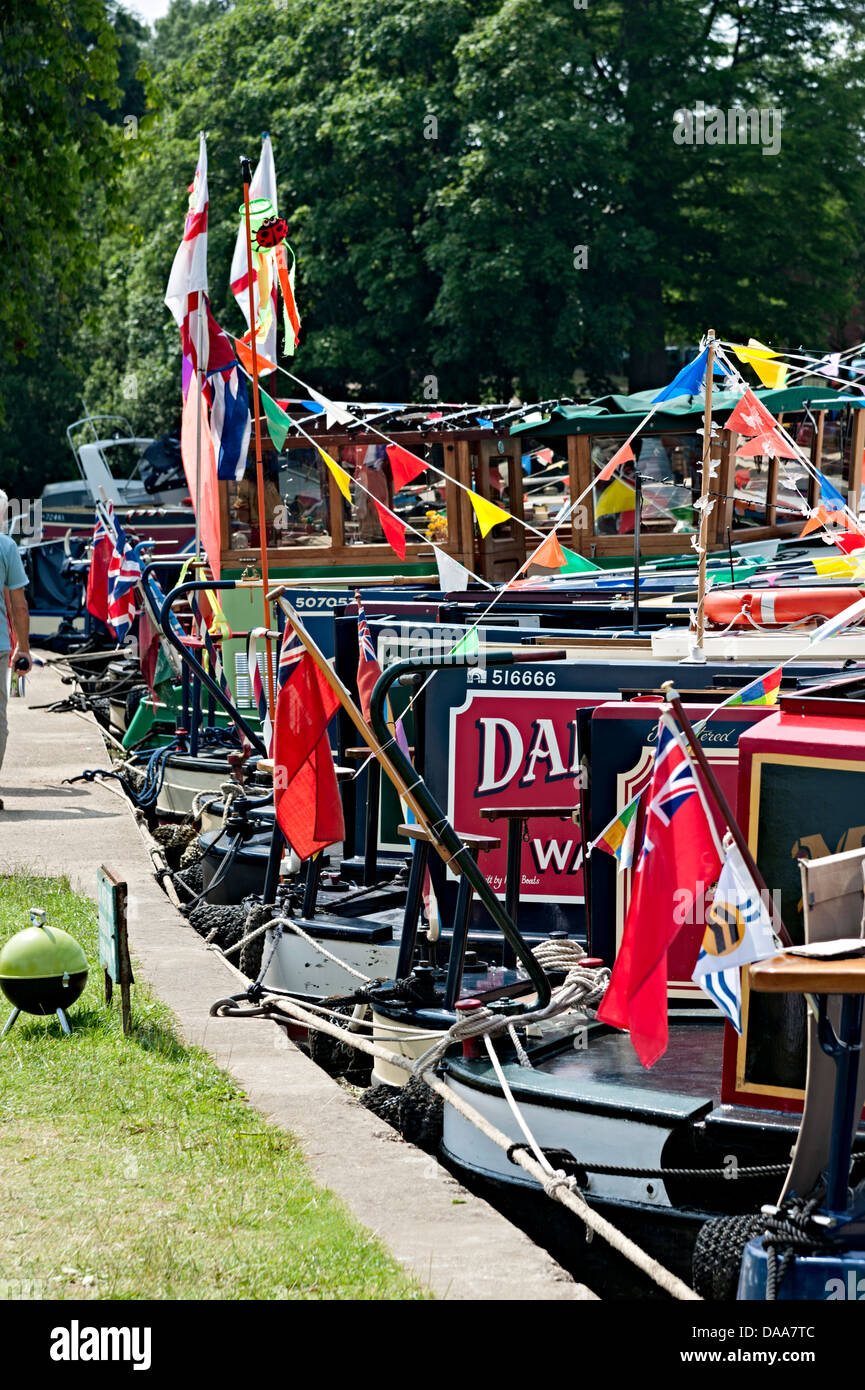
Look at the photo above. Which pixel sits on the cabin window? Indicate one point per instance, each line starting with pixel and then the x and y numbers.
pixel 295 498
pixel 419 504
pixel 669 468
pixel 545 487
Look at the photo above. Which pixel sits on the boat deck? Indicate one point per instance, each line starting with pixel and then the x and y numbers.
pixel 691 1066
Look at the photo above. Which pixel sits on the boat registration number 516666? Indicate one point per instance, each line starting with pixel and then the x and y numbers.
pixel 521 675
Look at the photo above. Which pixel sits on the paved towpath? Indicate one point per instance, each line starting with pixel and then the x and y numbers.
pixel 453 1242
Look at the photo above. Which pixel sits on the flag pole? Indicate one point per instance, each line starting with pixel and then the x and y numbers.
pixel 199 381
pixel 246 174
pixel 675 702
pixel 704 494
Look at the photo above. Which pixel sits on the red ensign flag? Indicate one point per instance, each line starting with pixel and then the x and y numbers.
pixel 305 793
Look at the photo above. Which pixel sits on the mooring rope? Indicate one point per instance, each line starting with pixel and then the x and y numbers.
pixel 559 1187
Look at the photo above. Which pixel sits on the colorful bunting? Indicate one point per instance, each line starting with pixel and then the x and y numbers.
pixel 760 357
pixel 817 518
pixel 343 480
pixel 577 564
pixel 278 423
pixel 617 497
pixel 751 417
pixel 334 414
pixel 619 836
pixel 549 553
pixel 834 565
pixel 623 455
pixel 850 542
pixel 487 513
pixel 393 528
pixel 687 382
pixel 762 691
pixel 770 445
pixel 404 466
pixel 453 577
pixel 828 492
pixel 468 645
pixel 244 352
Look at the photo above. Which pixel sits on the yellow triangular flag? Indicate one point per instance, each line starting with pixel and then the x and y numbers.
pixel 834 565
pixel 760 357
pixel 617 497
pixel 487 513
pixel 342 478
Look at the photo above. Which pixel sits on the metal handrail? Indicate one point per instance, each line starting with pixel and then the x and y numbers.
pixel 196 585
pixel 439 825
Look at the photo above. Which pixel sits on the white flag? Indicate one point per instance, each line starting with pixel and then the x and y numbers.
pixel 738 930
pixel 189 271
pixel 452 575
pixel 263 185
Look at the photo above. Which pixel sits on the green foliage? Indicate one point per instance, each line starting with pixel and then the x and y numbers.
pixel 442 162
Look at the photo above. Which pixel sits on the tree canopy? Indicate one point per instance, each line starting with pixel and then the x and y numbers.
pixel 483 195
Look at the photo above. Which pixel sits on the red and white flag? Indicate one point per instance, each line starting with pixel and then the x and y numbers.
pixel 679 851
pixel 368 669
pixel 263 185
pixel 185 294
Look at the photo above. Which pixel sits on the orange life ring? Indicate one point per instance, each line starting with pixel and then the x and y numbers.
pixel 775 607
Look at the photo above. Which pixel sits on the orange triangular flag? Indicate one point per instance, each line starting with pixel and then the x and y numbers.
pixel 623 455
pixel 244 352
pixel 549 553
pixel 817 518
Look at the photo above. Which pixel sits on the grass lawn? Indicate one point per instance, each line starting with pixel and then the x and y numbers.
pixel 134 1168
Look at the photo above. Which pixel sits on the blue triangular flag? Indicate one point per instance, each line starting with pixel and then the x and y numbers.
pixel 830 494
pixel 686 382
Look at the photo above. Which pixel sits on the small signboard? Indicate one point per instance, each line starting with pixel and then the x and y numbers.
pixel 113 942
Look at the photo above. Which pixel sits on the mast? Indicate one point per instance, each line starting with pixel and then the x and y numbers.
pixel 704 495
pixel 246 173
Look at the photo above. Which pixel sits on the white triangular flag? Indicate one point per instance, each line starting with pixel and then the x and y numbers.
pixel 452 575
pixel 335 414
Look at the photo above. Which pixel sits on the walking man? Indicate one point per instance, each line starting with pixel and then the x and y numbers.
pixel 14 621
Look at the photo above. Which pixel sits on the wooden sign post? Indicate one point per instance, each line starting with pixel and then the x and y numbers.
pixel 111 896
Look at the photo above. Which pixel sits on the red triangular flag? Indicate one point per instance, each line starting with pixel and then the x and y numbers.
pixel 305 793
pixel 848 541
pixel 549 553
pixel 623 455
pixel 392 527
pixel 751 417
pixel 771 445
pixel 404 466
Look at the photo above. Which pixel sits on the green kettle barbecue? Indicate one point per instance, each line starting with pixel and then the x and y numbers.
pixel 42 971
